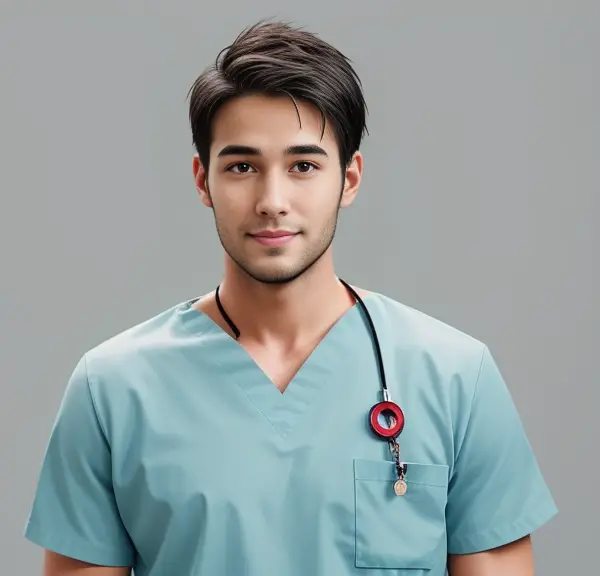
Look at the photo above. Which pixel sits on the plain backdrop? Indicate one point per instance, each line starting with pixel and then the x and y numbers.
pixel 479 204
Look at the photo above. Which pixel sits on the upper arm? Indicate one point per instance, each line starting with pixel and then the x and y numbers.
pixel 497 494
pixel 57 565
pixel 75 512
pixel 515 559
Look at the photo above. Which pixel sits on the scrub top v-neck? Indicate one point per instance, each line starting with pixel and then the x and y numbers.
pixel 318 370
pixel 174 453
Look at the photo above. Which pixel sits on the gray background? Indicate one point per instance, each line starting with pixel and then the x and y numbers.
pixel 479 204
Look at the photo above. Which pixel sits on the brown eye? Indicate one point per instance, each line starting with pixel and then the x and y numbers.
pixel 242 168
pixel 305 167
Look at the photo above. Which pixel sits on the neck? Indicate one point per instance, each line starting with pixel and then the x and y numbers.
pixel 287 315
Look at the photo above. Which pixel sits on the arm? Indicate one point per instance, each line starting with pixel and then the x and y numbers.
pixel 497 494
pixel 75 512
pixel 57 565
pixel 515 559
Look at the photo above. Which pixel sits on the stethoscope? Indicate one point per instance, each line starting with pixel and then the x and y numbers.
pixel 384 407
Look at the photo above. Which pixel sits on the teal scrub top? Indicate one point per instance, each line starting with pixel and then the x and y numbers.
pixel 174 453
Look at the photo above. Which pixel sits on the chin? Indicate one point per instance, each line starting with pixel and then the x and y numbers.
pixel 273 276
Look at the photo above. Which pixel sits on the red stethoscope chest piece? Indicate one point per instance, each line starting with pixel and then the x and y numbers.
pixel 397 419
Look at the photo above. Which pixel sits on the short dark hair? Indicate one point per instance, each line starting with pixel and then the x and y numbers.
pixel 275 58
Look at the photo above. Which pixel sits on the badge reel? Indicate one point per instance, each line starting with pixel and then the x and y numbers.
pixel 390 434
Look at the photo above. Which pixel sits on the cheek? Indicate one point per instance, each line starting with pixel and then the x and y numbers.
pixel 321 196
pixel 233 215
pixel 321 217
pixel 227 202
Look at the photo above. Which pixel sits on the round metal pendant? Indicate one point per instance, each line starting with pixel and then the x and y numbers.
pixel 400 487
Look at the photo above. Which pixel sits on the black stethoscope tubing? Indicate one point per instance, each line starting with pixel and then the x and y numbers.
pixel 378 353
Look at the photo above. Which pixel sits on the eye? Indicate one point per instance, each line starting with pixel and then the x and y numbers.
pixel 305 167
pixel 242 168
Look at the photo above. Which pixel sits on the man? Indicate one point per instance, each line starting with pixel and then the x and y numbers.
pixel 232 434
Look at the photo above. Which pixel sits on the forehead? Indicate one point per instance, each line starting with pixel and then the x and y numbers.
pixel 271 124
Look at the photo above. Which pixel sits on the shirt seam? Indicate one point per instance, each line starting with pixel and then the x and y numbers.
pixel 472 403
pixel 94 404
pixel 480 540
pixel 76 545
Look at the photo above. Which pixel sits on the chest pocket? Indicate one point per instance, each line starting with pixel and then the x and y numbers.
pixel 402 532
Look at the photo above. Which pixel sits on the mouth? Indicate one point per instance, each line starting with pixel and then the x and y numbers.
pixel 274 237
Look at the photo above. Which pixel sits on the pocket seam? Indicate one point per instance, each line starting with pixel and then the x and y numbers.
pixel 367 470
pixel 359 479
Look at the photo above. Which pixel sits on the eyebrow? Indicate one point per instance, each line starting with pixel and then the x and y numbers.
pixel 300 149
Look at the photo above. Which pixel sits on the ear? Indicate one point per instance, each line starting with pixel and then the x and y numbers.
pixel 352 179
pixel 201 180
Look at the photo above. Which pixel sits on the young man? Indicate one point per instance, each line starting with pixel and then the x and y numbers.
pixel 232 434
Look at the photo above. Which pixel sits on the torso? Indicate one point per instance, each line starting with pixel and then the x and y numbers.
pixel 207 455
pixel 184 458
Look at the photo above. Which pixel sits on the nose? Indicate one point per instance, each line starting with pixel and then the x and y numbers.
pixel 272 201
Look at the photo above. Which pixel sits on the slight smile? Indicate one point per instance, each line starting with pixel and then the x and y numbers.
pixel 274 237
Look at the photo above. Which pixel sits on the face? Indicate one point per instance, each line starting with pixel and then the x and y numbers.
pixel 275 186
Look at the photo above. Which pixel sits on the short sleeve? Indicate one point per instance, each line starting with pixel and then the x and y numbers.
pixel 497 493
pixel 74 512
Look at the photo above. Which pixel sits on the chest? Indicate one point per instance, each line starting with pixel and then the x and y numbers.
pixel 217 470
pixel 210 455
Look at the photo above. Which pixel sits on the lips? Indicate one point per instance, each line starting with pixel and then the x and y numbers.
pixel 273 233
pixel 274 237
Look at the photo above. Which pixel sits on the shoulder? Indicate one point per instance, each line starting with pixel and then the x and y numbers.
pixel 447 350
pixel 113 361
pixel 414 328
